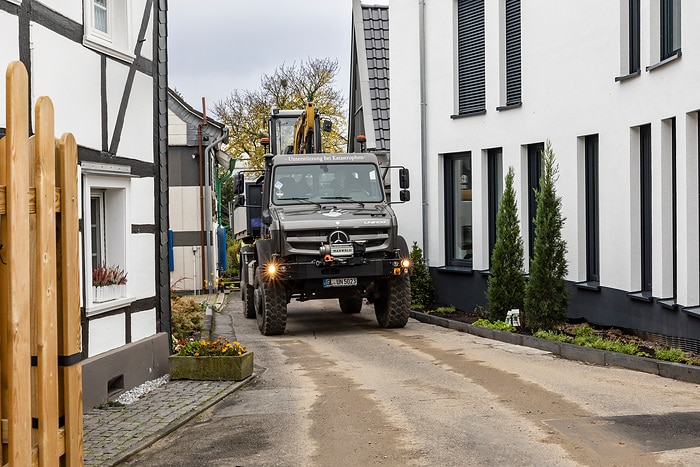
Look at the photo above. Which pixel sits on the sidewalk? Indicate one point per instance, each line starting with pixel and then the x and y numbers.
pixel 112 434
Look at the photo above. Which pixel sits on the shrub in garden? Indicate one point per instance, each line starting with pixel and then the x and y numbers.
pixel 506 284
pixel 422 291
pixel 187 317
pixel 546 297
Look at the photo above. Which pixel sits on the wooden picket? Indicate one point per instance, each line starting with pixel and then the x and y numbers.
pixel 40 370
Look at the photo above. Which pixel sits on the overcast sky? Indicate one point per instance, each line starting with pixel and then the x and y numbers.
pixel 216 46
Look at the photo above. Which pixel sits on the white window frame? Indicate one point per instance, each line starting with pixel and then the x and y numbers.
pixel 117 41
pixel 115 193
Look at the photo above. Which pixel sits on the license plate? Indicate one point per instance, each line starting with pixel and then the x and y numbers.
pixel 340 282
pixel 343 249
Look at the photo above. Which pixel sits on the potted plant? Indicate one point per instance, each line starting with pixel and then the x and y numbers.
pixel 108 283
pixel 218 360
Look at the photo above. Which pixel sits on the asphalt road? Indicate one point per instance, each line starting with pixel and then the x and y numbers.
pixel 337 390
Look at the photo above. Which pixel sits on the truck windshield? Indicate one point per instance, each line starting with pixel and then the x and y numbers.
pixel 326 183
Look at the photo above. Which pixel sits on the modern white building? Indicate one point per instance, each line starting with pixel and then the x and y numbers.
pixel 479 86
pixel 103 64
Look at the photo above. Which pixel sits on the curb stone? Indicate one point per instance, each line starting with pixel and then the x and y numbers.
pixel 678 371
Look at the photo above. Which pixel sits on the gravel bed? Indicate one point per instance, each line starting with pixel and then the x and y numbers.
pixel 132 395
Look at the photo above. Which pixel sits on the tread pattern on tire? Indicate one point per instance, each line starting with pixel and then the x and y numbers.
pixel 392 308
pixel 249 301
pixel 272 310
pixel 350 305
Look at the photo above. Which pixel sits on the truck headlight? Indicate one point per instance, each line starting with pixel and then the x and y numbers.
pixel 405 263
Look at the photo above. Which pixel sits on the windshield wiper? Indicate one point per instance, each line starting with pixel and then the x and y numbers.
pixel 344 198
pixel 306 199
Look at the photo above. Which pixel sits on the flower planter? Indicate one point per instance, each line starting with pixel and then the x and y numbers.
pixel 105 293
pixel 227 368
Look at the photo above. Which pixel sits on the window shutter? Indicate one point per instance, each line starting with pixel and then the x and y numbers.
pixel 513 74
pixel 471 56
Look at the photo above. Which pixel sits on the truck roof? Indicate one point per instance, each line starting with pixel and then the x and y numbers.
pixel 325 158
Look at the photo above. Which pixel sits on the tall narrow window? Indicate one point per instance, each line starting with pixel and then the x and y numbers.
pixel 634 36
pixel 592 223
pixel 100 11
pixel 495 191
pixel 471 56
pixel 670 28
pixel 645 204
pixel 97 229
pixel 458 205
pixel 512 53
pixel 534 172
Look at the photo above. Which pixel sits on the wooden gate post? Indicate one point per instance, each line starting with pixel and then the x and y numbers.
pixel 39 288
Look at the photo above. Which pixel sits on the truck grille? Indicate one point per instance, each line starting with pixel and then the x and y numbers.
pixel 307 242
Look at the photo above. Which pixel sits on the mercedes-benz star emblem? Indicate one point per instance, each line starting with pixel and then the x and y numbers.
pixel 338 237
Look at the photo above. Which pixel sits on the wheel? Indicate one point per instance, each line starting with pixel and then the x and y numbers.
pixel 248 296
pixel 350 305
pixel 391 308
pixel 270 306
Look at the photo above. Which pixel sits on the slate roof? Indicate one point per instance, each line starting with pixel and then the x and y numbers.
pixel 192 117
pixel 371 67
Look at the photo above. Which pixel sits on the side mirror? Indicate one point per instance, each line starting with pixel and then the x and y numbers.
pixel 404 179
pixel 405 195
pixel 238 183
pixel 239 200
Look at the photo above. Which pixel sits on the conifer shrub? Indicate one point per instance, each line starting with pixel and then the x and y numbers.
pixel 422 290
pixel 546 297
pixel 506 284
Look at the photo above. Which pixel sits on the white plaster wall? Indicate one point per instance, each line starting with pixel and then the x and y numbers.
pixel 187 268
pixel 184 208
pixel 141 259
pixel 142 204
pixel 72 9
pixel 106 334
pixel 177 130
pixel 136 15
pixel 405 101
pixel 137 136
pixel 570 58
pixel 69 74
pixel 143 324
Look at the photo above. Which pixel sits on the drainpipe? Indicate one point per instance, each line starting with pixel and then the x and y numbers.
pixel 423 137
pixel 201 191
pixel 207 208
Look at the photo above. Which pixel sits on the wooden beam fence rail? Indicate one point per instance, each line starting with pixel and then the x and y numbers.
pixel 40 354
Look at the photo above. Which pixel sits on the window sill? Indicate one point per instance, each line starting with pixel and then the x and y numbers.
pixel 95 43
pixel 593 286
pixel 693 311
pixel 485 272
pixel 663 62
pixel 456 270
pixel 99 308
pixel 619 79
pixel 642 296
pixel 509 106
pixel 668 303
pixel 469 114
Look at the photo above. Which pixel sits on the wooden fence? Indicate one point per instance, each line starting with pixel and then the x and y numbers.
pixel 40 370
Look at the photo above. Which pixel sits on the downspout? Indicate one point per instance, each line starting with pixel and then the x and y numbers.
pixel 207 202
pixel 201 193
pixel 423 137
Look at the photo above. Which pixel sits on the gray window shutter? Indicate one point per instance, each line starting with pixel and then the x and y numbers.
pixel 513 73
pixel 471 56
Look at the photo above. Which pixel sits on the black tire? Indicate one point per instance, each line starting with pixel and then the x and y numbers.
pixel 270 306
pixel 350 305
pixel 392 307
pixel 248 296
